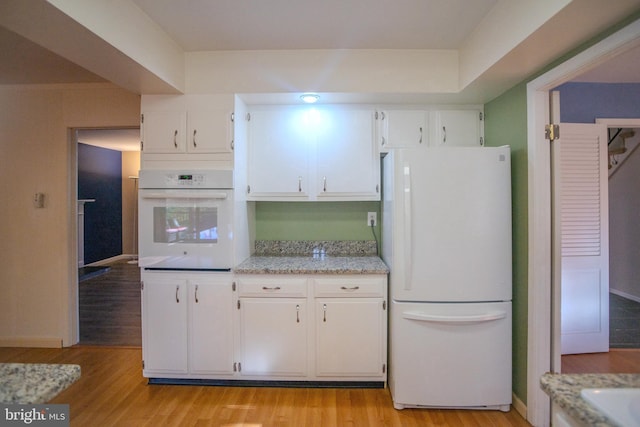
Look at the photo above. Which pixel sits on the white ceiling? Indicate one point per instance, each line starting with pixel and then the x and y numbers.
pixel 317 24
pixel 113 139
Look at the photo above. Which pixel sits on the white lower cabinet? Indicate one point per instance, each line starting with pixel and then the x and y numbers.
pixel 313 328
pixel 264 327
pixel 351 326
pixel 273 337
pixel 187 325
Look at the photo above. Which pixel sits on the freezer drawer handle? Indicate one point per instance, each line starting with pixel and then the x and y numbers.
pixel 438 318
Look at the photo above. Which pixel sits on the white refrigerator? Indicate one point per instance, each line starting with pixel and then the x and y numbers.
pixel 446 225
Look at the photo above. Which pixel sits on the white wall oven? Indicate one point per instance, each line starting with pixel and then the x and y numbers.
pixel 185 220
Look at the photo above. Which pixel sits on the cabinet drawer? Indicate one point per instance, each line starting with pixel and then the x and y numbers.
pixel 369 286
pixel 272 287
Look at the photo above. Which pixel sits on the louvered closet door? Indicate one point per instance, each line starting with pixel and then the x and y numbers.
pixel 580 205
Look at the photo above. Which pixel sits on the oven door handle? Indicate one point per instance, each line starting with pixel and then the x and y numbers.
pixel 216 196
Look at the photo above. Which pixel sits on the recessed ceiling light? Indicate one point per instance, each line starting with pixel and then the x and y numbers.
pixel 310 98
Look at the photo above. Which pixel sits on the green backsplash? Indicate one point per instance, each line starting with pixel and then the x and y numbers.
pixel 315 220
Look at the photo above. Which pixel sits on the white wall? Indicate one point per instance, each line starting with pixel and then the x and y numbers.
pixel 130 167
pixel 624 227
pixel 36 281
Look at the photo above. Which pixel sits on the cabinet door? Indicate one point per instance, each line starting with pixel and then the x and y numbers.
pixel 164 325
pixel 209 127
pixel 458 128
pixel 164 131
pixel 403 128
pixel 210 326
pixel 350 336
pixel 273 336
pixel 346 156
pixel 278 152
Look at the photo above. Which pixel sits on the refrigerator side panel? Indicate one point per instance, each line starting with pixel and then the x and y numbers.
pixel 450 355
pixel 452 237
pixel 388 196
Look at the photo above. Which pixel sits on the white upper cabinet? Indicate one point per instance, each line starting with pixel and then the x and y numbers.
pixel 279 148
pixel 312 153
pixel 458 128
pixel 347 159
pixel 402 128
pixel 187 124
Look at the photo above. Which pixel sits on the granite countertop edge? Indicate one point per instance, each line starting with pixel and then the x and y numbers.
pixel 35 383
pixel 564 390
pixel 311 264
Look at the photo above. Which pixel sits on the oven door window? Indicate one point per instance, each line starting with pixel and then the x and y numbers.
pixel 185 224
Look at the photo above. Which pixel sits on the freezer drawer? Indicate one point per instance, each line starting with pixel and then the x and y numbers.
pixel 450 355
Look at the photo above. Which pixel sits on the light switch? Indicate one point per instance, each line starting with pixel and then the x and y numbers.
pixel 38 200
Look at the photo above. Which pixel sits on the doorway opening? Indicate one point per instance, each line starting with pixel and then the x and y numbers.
pixel 543 353
pixel 106 167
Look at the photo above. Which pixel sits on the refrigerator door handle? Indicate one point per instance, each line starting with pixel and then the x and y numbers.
pixel 408 255
pixel 453 319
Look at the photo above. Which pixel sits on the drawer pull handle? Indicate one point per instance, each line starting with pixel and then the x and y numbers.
pixel 324 314
pixel 267 288
pixel 175 138
pixel 177 297
pixel 297 313
pixel 355 288
pixel 196 295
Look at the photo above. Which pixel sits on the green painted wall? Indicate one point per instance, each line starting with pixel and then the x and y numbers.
pixel 506 123
pixel 315 220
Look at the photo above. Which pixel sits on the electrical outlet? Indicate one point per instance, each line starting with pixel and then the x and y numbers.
pixel 372 217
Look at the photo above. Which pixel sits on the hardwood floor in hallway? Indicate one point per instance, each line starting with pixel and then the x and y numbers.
pixel 112 392
pixel 109 307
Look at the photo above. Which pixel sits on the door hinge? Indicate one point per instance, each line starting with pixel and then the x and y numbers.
pixel 481 116
pixel 141 145
pixel 143 364
pixel 233 287
pixel 377 188
pixel 384 305
pixel 233 117
pixel 384 368
pixel 238 304
pixel 481 141
pixel 141 285
pixel 552 132
pixel 248 189
pixel 248 117
pixel 142 118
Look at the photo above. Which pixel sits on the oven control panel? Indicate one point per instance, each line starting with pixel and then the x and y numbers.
pixel 155 179
pixel 184 180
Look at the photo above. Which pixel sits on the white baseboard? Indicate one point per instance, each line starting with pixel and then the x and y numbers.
pixel 111 260
pixel 31 342
pixel 519 406
pixel 625 295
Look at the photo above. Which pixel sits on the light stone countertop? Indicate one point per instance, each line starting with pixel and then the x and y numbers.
pixel 34 383
pixel 325 264
pixel 564 390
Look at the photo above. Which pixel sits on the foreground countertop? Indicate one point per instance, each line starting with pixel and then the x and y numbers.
pixel 320 264
pixel 34 383
pixel 564 390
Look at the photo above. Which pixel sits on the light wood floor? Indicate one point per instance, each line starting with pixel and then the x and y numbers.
pixel 112 392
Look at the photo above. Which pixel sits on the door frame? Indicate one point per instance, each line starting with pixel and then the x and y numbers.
pixel 541 355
